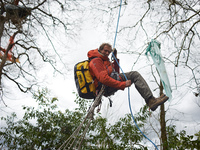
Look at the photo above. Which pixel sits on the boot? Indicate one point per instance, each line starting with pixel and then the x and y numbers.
pixel 153 102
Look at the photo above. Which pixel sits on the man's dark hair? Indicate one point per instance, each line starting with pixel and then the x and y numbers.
pixel 101 47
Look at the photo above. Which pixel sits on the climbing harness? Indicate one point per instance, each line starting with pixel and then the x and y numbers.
pixel 73 140
pixel 127 79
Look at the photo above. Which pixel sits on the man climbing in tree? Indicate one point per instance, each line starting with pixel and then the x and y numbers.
pixel 103 72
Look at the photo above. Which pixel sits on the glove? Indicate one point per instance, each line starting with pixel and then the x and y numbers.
pixel 114 53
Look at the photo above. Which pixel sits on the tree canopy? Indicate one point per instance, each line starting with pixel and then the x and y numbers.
pixel 45 126
pixel 35 27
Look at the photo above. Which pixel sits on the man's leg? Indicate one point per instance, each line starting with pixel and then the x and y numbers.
pixel 144 90
pixel 140 83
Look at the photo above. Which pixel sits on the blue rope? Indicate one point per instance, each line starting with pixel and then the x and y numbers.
pixel 117 23
pixel 126 78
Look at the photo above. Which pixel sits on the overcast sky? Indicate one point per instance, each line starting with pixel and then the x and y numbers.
pixel 181 107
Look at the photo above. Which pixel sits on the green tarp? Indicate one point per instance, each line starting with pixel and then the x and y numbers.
pixel 154 50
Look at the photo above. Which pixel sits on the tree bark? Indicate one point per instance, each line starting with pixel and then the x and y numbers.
pixel 2 21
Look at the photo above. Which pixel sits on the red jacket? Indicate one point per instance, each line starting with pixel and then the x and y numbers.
pixel 101 68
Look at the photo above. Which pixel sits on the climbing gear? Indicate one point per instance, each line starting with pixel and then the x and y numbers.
pixel 84 81
pixel 127 79
pixel 153 102
pixel 114 51
pixel 110 101
pixel 115 63
pixel 110 90
pixel 76 139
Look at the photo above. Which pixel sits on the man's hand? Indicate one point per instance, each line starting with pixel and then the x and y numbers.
pixel 128 83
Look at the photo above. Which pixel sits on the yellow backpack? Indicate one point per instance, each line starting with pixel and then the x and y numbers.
pixel 84 81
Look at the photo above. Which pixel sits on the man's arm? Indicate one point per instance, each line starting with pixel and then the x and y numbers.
pixel 101 74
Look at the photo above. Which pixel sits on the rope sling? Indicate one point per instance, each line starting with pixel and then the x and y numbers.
pixel 73 142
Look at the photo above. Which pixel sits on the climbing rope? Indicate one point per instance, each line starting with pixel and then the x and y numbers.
pixel 73 141
pixel 126 77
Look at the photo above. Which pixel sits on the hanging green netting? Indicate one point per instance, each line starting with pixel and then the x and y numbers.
pixel 154 50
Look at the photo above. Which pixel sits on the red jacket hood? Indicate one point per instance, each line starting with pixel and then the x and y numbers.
pixel 95 53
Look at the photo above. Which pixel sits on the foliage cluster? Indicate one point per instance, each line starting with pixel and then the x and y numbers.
pixel 47 127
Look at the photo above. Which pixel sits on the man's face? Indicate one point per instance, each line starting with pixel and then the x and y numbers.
pixel 106 50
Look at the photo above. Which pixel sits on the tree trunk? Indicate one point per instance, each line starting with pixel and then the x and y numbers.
pixel 163 123
pixel 2 21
